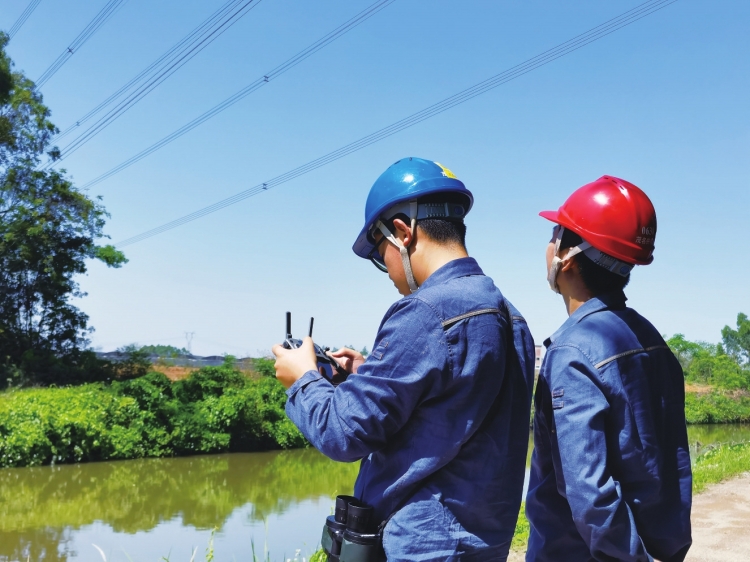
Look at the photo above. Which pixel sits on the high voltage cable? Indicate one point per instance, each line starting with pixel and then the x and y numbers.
pixel 172 61
pixel 594 34
pixel 161 73
pixel 178 48
pixel 93 26
pixel 23 17
pixel 250 88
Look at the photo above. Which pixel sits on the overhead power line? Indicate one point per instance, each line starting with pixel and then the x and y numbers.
pixel 154 67
pixel 249 89
pixel 109 9
pixel 23 17
pixel 163 68
pixel 594 34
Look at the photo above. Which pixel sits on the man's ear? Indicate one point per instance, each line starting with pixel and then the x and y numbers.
pixel 569 265
pixel 403 232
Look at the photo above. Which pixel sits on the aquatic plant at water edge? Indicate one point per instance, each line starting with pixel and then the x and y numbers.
pixel 216 409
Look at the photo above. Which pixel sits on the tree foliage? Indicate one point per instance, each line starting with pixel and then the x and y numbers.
pixel 167 351
pixel 724 366
pixel 48 231
pixel 737 342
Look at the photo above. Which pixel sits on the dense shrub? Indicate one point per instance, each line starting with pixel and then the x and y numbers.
pixel 264 367
pixel 717 407
pixel 215 409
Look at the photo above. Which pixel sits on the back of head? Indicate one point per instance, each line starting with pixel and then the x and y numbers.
pixel 610 226
pixel 598 281
pixel 446 231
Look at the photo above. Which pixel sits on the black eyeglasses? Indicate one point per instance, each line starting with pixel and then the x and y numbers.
pixel 376 257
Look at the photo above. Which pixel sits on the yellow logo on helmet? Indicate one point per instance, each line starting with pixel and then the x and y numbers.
pixel 446 172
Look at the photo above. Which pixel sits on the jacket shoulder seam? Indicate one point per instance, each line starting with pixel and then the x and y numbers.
pixel 617 356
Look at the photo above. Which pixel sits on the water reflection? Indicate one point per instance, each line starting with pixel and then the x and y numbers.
pixel 702 437
pixel 146 509
pixel 40 506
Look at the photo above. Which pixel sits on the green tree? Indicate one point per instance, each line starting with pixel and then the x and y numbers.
pixel 737 342
pixel 709 364
pixel 686 350
pixel 48 231
pixel 167 351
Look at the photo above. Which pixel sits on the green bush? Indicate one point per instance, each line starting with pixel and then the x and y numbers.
pixel 717 407
pixel 264 367
pixel 216 409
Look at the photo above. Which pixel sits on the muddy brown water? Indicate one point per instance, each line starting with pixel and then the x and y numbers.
pixel 271 503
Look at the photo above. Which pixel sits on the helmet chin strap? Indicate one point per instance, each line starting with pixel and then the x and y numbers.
pixel 557 262
pixel 403 250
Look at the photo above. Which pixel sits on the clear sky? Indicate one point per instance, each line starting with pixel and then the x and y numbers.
pixel 662 103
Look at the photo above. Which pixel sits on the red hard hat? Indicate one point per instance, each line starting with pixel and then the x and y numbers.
pixel 612 215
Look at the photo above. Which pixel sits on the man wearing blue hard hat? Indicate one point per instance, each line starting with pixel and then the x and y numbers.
pixel 439 412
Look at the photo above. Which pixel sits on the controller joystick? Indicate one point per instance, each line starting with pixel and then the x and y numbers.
pixel 327 365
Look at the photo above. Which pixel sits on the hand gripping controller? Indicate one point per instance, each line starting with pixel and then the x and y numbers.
pixel 327 366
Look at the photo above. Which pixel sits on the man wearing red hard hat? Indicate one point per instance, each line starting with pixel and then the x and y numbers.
pixel 610 473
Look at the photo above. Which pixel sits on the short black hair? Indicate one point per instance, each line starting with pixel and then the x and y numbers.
pixel 597 279
pixel 444 230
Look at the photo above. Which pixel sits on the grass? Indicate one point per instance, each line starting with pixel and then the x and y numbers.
pixel 720 463
pixel 523 528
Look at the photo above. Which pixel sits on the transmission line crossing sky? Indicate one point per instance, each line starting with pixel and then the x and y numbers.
pixel 660 102
pixel 23 17
pixel 101 18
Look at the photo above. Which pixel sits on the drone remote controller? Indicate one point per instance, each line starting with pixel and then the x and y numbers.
pixel 327 366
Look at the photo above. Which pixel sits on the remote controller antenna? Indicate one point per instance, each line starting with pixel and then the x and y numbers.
pixel 288 325
pixel 311 325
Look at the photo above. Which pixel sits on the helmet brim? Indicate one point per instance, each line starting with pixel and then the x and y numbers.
pixel 553 216
pixel 362 245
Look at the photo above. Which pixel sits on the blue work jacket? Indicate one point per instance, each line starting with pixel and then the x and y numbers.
pixel 439 422
pixel 610 472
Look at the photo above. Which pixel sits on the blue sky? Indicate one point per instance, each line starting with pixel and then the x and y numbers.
pixel 662 103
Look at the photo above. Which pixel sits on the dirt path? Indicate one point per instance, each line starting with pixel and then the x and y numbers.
pixel 721 524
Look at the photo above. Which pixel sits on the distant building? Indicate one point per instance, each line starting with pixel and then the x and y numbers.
pixel 537 359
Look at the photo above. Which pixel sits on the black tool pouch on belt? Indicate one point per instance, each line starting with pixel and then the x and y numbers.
pixel 350 536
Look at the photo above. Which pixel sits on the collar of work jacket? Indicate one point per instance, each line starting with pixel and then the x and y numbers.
pixel 461 267
pixel 615 300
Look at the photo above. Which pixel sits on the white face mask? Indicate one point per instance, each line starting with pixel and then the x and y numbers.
pixel 557 262
pixel 598 257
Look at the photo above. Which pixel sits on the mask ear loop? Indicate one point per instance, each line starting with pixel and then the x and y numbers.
pixel 403 250
pixel 557 261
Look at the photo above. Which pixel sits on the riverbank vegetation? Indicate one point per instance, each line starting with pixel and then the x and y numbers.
pixel 717 406
pixel 717 376
pixel 216 409
pixel 720 463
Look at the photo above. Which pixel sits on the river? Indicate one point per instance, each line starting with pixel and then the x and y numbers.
pixel 273 503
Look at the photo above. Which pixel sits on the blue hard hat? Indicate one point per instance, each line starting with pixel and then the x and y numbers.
pixel 408 179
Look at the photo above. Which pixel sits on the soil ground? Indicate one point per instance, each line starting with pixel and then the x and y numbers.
pixel 721 519
pixel 175 373
pixel 172 372
pixel 721 523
